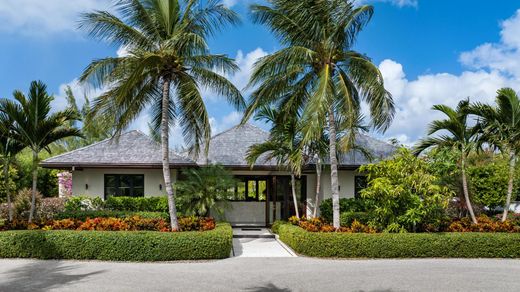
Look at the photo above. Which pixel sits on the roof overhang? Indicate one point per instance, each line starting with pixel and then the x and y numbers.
pixel 110 165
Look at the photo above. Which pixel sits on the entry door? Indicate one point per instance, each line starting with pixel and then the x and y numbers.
pixel 284 196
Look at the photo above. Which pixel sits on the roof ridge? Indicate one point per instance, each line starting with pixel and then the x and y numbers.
pixel 379 140
pixel 238 126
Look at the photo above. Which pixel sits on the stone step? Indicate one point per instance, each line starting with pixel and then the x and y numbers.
pixel 252 232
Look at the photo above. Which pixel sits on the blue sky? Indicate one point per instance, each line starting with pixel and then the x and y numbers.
pixel 429 51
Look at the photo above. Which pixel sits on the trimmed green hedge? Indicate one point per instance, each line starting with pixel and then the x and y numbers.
pixel 400 245
pixel 117 245
pixel 83 215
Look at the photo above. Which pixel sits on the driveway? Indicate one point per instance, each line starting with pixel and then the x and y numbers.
pixel 263 274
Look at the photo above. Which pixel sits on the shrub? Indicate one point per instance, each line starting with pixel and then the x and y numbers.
pixel 83 203
pixel 485 224
pixel 83 215
pixel 347 218
pixel 50 207
pixel 22 204
pixel 345 205
pixel 117 246
pixel 141 204
pixel 400 245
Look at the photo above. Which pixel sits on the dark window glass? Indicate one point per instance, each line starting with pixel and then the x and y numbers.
pixel 250 189
pixel 360 183
pixel 124 185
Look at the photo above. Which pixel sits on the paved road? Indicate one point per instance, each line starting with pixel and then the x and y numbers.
pixel 263 274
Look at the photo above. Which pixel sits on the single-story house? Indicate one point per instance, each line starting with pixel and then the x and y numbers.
pixel 130 165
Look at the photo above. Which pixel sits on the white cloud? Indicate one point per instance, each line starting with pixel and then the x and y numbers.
pixel 37 17
pixel 491 66
pixel 398 3
pixel 230 120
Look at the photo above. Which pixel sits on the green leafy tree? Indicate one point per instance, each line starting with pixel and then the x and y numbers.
pixel 9 148
pixel 500 127
pixel 35 127
pixel 204 189
pixel 167 64
pixel 404 195
pixel 318 72
pixel 459 137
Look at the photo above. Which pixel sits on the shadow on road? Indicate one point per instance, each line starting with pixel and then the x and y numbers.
pixel 268 287
pixel 41 276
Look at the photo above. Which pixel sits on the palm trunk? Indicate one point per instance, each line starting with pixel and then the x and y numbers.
pixel 174 224
pixel 34 180
pixel 318 187
pixel 465 189
pixel 295 200
pixel 512 161
pixel 7 191
pixel 333 170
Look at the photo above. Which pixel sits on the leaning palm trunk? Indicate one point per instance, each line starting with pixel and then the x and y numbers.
pixel 333 170
pixel 7 191
pixel 465 190
pixel 34 180
pixel 512 162
pixel 295 200
pixel 174 224
pixel 318 187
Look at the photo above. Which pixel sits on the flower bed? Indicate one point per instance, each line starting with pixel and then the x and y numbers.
pixel 134 223
pixel 117 246
pixel 399 245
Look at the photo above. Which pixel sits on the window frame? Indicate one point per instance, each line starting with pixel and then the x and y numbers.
pixel 357 189
pixel 118 180
pixel 246 179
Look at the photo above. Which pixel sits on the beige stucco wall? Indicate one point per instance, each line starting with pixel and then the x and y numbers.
pixel 95 178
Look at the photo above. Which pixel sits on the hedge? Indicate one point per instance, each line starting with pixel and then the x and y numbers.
pixel 117 245
pixel 83 215
pixel 400 245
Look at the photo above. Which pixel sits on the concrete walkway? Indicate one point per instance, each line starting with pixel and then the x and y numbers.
pixel 258 242
pixel 263 274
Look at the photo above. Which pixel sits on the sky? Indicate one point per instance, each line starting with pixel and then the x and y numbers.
pixel 429 52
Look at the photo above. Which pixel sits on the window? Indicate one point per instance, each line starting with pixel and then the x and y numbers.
pixel 250 189
pixel 124 185
pixel 360 183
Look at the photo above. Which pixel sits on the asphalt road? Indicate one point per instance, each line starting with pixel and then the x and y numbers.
pixel 263 274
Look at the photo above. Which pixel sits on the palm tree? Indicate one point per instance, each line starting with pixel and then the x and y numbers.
pixel 9 148
pixel 35 127
pixel 459 136
pixel 167 64
pixel 318 72
pixel 500 127
pixel 284 145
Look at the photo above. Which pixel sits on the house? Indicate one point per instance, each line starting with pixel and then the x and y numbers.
pixel 130 165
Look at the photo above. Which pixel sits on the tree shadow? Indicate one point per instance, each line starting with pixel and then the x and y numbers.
pixel 268 287
pixel 41 276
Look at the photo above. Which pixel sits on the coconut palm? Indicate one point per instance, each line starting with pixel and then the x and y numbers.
pixel 35 127
pixel 284 145
pixel 500 127
pixel 9 148
pixel 459 137
pixel 318 71
pixel 167 64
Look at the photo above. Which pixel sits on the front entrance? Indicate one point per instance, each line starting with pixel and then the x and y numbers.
pixel 260 200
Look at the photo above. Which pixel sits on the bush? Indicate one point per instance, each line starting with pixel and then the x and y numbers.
pixel 83 203
pixel 117 246
pixel 143 204
pixel 347 218
pixel 345 205
pixel 83 215
pixel 401 245
pixel 50 207
pixel 22 204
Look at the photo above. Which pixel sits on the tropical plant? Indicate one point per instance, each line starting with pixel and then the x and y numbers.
pixel 167 64
pixel 94 129
pixel 35 127
pixel 459 137
pixel 317 72
pixel 283 146
pixel 500 127
pixel 9 148
pixel 403 195
pixel 204 189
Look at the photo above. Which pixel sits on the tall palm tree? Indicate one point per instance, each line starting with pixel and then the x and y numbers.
pixel 318 71
pixel 35 127
pixel 284 145
pixel 500 127
pixel 9 148
pixel 459 137
pixel 167 64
